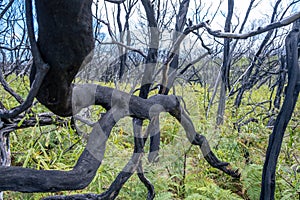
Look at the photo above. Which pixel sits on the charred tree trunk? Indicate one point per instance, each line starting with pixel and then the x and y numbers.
pixel 225 69
pixel 169 71
pixel 147 80
pixel 65 39
pixel 285 114
pixel 281 82
pixel 5 159
pixel 65 43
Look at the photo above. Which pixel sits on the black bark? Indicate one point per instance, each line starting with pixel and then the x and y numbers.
pixel 171 70
pixel 249 81
pixel 65 43
pixel 119 105
pixel 225 69
pixel 65 39
pixel 285 114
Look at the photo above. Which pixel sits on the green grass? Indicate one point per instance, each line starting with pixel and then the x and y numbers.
pixel 46 148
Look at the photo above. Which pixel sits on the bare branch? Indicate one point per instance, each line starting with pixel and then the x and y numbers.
pixel 284 116
pixel 193 62
pixel 123 45
pixel 176 45
pixel 9 89
pixel 110 32
pixel 42 119
pixel 115 1
pixel 259 30
pixel 30 28
pixel 10 49
pixel 6 86
pixel 6 8
pixel 42 67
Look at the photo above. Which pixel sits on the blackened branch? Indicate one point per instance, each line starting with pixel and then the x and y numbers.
pixel 285 114
pixel 119 104
pixel 41 68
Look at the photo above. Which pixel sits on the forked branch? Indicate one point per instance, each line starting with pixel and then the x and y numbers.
pixel 119 105
pixel 41 66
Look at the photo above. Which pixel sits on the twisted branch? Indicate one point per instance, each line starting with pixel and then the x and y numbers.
pixel 118 105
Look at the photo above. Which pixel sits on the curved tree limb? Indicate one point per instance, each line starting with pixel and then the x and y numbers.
pixel 259 30
pixel 148 108
pixel 41 66
pixel 147 81
pixel 30 180
pixel 119 105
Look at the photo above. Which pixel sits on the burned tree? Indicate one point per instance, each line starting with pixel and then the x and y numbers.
pixel 65 43
pixel 291 96
pixel 67 23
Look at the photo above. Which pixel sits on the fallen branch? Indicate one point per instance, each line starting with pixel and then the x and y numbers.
pixel 42 119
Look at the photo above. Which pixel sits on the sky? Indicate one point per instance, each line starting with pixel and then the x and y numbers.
pixel 259 16
pixel 263 8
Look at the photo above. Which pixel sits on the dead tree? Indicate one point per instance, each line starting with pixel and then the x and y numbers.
pixel 65 43
pixel 291 95
pixel 225 66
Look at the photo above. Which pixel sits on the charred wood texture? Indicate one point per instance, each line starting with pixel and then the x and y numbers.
pixel 147 80
pixel 285 114
pixel 280 82
pixel 65 43
pixel 65 39
pixel 119 105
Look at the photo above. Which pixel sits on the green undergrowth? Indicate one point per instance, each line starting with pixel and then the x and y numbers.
pixel 181 172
